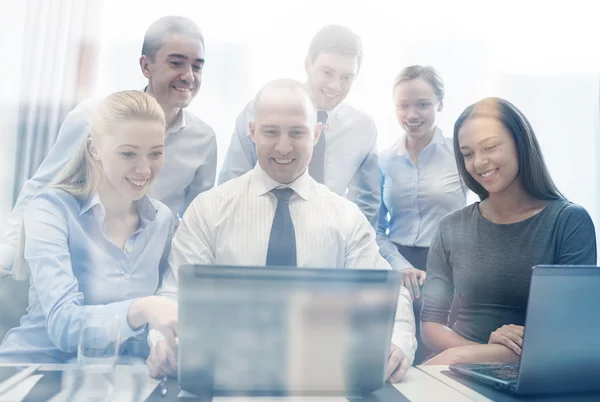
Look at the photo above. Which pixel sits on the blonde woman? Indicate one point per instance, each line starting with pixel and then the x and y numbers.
pixel 93 239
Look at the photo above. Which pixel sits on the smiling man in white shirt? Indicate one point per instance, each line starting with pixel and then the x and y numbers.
pixel 345 158
pixel 277 214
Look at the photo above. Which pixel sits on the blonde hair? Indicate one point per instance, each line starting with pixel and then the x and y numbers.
pixel 82 176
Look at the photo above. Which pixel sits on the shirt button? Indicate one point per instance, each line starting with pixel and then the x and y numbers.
pixel 128 250
pixel 126 276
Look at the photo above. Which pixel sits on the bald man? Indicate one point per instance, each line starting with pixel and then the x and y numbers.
pixel 277 214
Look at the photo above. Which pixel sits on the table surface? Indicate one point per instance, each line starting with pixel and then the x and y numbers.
pixel 436 372
pixel 422 384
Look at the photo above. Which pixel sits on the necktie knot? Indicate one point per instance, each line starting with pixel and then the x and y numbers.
pixel 283 194
pixel 322 116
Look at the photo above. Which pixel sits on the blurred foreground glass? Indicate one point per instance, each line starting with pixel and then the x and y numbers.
pixel 93 377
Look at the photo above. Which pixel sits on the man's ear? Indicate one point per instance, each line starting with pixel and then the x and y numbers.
pixel 318 132
pixel 307 64
pixel 252 127
pixel 145 66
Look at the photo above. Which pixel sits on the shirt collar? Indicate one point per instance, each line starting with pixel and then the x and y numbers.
pixel 400 146
pixel 178 124
pixel 261 183
pixel 332 114
pixel 90 203
pixel 145 208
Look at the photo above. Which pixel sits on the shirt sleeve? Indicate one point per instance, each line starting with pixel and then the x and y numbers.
pixel 192 244
pixel 577 237
pixel 404 332
pixel 154 335
pixel 362 253
pixel 70 136
pixel 204 178
pixel 438 292
pixel 241 154
pixel 47 253
pixel 386 247
pixel 364 189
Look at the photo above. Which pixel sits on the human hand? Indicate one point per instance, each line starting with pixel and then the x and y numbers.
pixel 510 336
pixel 412 278
pixel 397 365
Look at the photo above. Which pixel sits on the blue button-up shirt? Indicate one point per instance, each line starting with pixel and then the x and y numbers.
pixel 76 270
pixel 189 168
pixel 416 197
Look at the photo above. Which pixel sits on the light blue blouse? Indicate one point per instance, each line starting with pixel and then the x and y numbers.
pixel 76 269
pixel 415 197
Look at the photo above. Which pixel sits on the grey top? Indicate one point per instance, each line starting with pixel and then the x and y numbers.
pixel 489 265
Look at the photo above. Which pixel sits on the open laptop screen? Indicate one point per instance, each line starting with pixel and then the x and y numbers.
pixel 282 331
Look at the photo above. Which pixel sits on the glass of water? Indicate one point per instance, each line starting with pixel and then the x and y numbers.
pixel 93 378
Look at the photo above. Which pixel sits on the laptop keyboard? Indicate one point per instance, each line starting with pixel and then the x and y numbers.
pixel 503 372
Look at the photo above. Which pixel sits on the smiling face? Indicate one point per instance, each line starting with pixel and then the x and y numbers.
pixel 330 77
pixel 131 158
pixel 489 154
pixel 285 132
pixel 416 107
pixel 175 74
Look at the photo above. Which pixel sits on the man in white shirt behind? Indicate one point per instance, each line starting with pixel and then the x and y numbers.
pixel 345 159
pixel 241 222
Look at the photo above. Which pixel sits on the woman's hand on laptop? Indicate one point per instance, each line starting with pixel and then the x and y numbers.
pixel 162 360
pixel 397 365
pixel 163 316
pixel 510 336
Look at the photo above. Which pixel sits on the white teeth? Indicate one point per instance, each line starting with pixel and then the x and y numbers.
pixel 413 124
pixel 283 161
pixel 138 183
pixel 183 89
pixel 329 95
pixel 488 174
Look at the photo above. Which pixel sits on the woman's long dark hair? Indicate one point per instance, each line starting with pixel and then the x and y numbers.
pixel 533 173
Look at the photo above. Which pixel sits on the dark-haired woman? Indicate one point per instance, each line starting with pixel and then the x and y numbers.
pixel 484 252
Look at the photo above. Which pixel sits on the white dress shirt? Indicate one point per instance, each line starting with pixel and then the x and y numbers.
pixel 351 168
pixel 231 223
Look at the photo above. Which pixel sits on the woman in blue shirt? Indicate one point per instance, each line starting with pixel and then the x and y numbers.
pixel 419 179
pixel 93 240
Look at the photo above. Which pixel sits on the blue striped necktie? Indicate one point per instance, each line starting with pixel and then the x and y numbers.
pixel 282 241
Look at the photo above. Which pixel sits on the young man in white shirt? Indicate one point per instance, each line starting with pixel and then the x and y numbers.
pixel 345 159
pixel 277 214
pixel 172 60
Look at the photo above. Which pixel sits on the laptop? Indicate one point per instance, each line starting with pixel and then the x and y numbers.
pixel 276 331
pixel 561 344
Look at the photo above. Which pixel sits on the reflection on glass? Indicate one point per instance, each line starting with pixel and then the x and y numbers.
pixel 286 332
pixel 94 376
